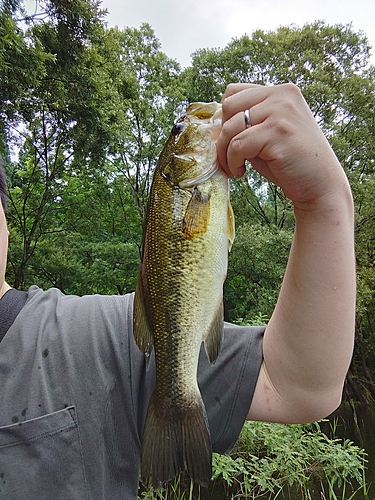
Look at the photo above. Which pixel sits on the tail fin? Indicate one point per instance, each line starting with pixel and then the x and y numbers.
pixel 176 439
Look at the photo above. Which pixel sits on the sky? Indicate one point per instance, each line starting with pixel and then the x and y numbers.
pixel 183 26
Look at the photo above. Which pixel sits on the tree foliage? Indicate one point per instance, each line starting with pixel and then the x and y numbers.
pixel 93 123
pixel 85 112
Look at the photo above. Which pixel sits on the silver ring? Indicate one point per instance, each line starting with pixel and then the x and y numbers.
pixel 247 118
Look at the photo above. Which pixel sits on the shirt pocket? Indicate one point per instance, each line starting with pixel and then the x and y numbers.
pixel 41 459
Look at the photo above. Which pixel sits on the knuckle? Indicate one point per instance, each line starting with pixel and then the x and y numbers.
pixel 292 88
pixel 292 97
pixel 280 126
pixel 236 146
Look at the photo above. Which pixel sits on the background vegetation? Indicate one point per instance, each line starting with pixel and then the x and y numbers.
pixel 270 461
pixel 85 111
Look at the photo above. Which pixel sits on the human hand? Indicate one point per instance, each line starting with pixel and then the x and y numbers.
pixel 284 143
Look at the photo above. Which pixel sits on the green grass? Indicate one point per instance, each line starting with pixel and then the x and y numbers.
pixel 277 461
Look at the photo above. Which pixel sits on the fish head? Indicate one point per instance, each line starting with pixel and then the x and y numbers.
pixel 189 156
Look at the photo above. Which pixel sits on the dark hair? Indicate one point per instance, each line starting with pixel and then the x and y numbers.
pixel 3 185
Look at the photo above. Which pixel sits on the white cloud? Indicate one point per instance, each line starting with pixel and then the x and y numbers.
pixel 183 27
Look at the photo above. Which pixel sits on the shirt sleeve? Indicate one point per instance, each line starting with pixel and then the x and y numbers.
pixel 228 386
pixel 11 304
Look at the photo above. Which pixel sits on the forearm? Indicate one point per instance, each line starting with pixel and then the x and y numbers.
pixel 309 340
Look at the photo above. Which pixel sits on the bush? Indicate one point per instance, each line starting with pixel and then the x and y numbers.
pixel 269 459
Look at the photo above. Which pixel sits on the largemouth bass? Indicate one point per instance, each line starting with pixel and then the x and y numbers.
pixel 179 294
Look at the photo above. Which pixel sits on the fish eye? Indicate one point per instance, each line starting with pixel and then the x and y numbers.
pixel 177 128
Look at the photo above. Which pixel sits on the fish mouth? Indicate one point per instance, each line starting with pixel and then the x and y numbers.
pixel 210 114
pixel 204 111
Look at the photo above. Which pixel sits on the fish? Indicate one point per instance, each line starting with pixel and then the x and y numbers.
pixel 178 302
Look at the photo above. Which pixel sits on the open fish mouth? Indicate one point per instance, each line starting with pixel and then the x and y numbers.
pixel 213 114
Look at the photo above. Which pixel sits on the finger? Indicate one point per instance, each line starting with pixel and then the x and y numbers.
pixel 232 127
pixel 248 145
pixel 244 99
pixel 234 88
pixel 237 153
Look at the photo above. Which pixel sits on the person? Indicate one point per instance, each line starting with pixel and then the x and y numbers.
pixel 75 388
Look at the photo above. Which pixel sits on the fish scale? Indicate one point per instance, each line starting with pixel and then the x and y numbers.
pixel 179 294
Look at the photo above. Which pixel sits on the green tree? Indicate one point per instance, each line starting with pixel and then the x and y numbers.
pixel 88 109
pixel 323 60
pixel 256 268
pixel 61 121
pixel 88 133
pixel 155 101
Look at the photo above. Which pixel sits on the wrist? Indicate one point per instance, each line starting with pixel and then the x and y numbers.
pixel 336 203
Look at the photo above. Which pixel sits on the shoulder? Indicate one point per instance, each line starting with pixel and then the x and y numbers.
pixel 77 308
pixel 93 323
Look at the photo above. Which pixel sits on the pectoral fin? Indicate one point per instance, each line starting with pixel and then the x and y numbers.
pixel 141 329
pixel 214 338
pixel 197 215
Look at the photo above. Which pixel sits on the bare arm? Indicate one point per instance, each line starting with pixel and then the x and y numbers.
pixel 309 340
pixel 4 234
